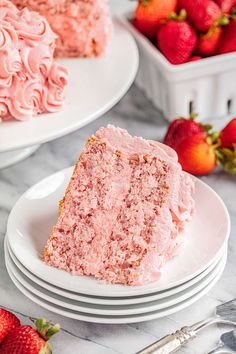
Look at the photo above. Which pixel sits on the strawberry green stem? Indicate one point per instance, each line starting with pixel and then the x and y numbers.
pixel 144 2
pixel 46 329
pixel 193 116
pixel 181 17
pixel 210 32
pixel 222 21
pixel 52 331
pixel 227 158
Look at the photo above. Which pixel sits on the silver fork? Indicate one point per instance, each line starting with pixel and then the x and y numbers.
pixel 225 314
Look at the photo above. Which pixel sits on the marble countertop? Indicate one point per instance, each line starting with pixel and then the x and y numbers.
pixel 135 113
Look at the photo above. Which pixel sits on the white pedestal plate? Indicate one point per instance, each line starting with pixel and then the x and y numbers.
pixel 95 86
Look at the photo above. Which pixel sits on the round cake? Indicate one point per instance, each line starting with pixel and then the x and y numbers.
pixel 83 26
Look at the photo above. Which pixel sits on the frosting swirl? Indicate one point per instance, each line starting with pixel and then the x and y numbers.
pixel 28 98
pixel 58 75
pixel 10 64
pixel 32 28
pixel 53 98
pixel 31 81
pixel 37 59
pixel 8 36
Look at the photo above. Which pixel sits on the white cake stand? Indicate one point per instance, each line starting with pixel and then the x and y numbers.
pixel 95 86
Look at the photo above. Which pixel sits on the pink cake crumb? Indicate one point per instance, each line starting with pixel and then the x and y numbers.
pixel 124 211
pixel 83 27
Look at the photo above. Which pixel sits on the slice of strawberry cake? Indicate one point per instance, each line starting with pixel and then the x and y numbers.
pixel 124 210
pixel 31 81
pixel 83 26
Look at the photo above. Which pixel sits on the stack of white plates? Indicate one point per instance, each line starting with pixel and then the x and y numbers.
pixel 184 280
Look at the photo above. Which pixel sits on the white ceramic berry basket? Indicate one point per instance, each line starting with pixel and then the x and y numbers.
pixel 206 87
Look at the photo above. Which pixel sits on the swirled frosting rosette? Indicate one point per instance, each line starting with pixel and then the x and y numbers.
pixel 31 81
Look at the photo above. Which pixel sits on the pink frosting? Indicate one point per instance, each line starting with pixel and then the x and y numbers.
pixel 83 27
pixel 31 81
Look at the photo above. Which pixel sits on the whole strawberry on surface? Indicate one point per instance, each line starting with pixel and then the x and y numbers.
pixel 180 129
pixel 8 321
pixel 176 39
pixel 194 144
pixel 149 13
pixel 27 340
pixel 227 150
pixel 196 155
pixel 228 135
pixel 202 13
pixel 199 148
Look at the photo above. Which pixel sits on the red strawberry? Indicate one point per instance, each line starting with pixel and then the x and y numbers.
pixel 199 149
pixel 26 340
pixel 227 151
pixel 176 39
pixel 195 145
pixel 8 321
pixel 228 41
pixel 202 13
pixel 149 13
pixel 180 129
pixel 209 42
pixel 226 5
pixel 228 135
pixel 194 58
pixel 196 155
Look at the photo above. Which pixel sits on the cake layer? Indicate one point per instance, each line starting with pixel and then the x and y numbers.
pixel 31 81
pixel 124 210
pixel 83 27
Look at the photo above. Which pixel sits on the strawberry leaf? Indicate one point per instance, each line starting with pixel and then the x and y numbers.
pixel 46 329
pixel 206 127
pixel 145 2
pixel 178 17
pixel 193 116
pixel 215 137
pixel 227 158
pixel 222 21
pixel 52 330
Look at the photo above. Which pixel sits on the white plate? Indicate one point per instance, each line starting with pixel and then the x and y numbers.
pixel 115 300
pixel 112 310
pixel 31 220
pixel 95 86
pixel 109 319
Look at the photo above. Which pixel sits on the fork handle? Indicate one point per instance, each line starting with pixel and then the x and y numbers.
pixel 215 351
pixel 171 343
pixel 221 349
